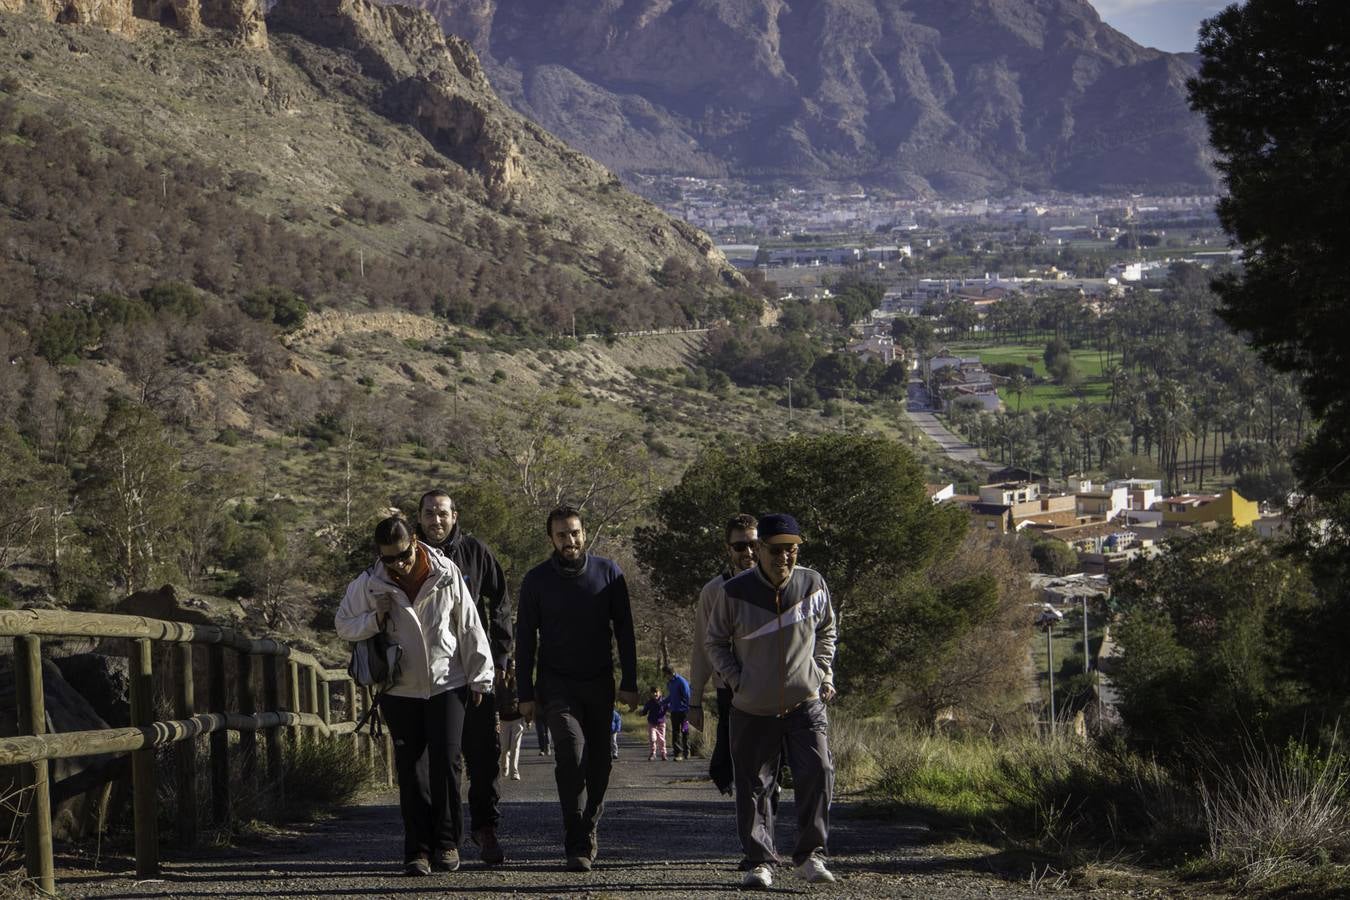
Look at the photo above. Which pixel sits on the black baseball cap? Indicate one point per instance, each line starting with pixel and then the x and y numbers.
pixel 778 528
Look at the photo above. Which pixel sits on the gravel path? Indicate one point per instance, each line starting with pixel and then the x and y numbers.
pixel 665 833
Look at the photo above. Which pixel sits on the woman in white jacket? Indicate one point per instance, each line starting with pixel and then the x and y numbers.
pixel 419 598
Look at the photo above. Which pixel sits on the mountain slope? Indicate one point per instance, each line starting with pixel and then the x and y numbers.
pixel 927 96
pixel 349 152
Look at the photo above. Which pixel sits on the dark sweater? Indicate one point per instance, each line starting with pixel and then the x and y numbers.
pixel 572 622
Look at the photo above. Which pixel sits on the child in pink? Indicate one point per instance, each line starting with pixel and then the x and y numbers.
pixel 655 711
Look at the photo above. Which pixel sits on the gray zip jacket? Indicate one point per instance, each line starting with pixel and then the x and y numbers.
pixel 773 647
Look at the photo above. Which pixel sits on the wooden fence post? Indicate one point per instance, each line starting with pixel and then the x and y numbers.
pixel 272 736
pixel 33 776
pixel 248 740
pixel 312 692
pixel 351 714
pixel 143 761
pixel 293 701
pixel 325 703
pixel 220 740
pixel 185 752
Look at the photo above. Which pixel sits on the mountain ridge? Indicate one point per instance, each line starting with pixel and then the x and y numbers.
pixel 926 97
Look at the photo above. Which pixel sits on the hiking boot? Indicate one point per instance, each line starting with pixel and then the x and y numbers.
pixel 418 865
pixel 446 860
pixel 578 864
pixel 489 851
pixel 761 876
pixel 814 871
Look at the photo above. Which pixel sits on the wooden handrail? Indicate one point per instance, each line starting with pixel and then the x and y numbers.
pixel 32 749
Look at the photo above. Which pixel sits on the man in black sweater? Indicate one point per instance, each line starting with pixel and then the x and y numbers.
pixel 438 525
pixel 573 607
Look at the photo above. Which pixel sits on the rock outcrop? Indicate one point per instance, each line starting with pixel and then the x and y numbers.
pixel 243 19
pixel 434 82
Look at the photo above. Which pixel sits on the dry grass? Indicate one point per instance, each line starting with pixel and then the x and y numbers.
pixel 1277 813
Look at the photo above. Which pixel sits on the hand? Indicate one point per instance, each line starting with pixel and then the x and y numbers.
pixel 475 698
pixel 384 602
pixel 629 697
pixel 527 711
pixel 827 693
pixel 696 717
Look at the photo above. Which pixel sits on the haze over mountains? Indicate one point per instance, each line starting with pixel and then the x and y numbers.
pixel 925 97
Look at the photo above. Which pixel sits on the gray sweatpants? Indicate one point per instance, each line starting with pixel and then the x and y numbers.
pixel 756 742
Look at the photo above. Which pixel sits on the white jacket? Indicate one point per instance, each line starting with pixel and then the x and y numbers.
pixel 444 644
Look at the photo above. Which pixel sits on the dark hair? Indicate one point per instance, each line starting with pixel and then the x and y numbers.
pixel 667 669
pixel 392 531
pixel 740 522
pixel 560 513
pixel 435 492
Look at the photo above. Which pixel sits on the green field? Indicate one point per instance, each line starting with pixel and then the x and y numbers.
pixel 1093 388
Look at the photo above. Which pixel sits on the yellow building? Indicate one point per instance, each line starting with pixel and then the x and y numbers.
pixel 1194 509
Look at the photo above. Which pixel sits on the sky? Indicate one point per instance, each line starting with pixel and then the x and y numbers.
pixel 1165 24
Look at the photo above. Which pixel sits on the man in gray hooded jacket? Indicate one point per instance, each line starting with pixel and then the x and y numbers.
pixel 771 638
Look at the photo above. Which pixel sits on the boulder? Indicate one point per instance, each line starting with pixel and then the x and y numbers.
pixel 78 798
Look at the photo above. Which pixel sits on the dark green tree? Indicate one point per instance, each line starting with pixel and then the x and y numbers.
pixel 1210 637
pixel 1274 87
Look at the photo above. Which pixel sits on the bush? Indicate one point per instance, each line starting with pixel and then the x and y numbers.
pixel 1277 812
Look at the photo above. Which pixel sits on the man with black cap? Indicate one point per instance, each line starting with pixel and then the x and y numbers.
pixel 771 638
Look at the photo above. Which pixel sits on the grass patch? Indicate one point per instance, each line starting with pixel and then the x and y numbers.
pixel 1094 387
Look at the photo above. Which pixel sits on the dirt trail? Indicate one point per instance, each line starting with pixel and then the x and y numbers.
pixel 665 833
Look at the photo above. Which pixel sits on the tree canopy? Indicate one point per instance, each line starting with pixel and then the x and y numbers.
pixel 1274 87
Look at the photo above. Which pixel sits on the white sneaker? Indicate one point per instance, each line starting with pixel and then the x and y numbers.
pixel 814 871
pixel 760 876
pixel 515 776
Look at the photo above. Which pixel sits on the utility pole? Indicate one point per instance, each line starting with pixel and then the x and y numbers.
pixel 1087 652
pixel 1050 669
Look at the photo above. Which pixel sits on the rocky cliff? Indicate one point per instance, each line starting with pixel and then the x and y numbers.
pixel 241 18
pixel 926 96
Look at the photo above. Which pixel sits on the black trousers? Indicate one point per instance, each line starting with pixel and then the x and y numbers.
pixel 430 804
pixel 679 738
pixel 482 757
pixel 719 767
pixel 579 715
pixel 756 745
pixel 541 732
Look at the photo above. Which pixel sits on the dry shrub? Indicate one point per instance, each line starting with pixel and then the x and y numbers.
pixel 1275 813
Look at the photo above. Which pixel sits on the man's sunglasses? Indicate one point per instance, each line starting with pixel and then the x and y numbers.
pixel 742 546
pixel 405 556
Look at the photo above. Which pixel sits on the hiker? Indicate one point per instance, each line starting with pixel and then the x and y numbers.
pixel 615 727
pixel 771 636
pixel 573 608
pixel 655 710
pixel 741 541
pixel 677 702
pixel 439 526
pixel 419 599
pixel 511 726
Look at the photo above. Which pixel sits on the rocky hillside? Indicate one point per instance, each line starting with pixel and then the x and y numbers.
pixel 955 97
pixel 347 152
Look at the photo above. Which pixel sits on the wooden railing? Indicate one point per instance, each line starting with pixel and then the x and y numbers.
pixel 33 747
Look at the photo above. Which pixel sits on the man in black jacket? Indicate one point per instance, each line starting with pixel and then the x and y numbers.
pixel 438 525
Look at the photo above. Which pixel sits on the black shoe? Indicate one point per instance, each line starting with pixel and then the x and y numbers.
pixel 578 864
pixel 418 865
pixel 490 851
